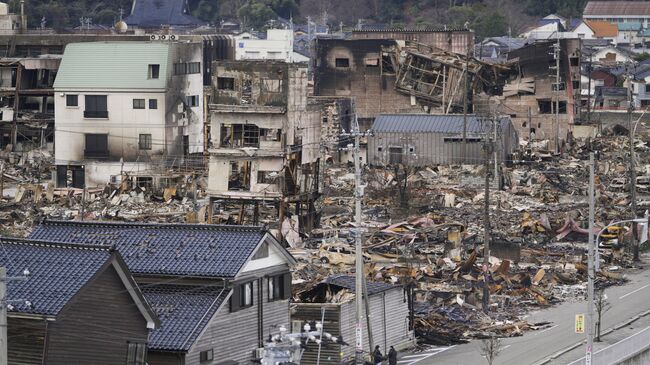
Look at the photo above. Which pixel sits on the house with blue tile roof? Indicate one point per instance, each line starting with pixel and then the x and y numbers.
pixel 217 290
pixel 78 304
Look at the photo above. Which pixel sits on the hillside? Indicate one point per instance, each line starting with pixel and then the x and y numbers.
pixel 486 17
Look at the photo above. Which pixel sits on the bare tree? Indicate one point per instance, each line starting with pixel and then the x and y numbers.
pixel 490 348
pixel 602 306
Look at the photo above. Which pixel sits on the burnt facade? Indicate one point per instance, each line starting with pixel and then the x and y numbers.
pixel 457 40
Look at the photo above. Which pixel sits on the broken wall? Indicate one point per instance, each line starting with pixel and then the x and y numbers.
pixel 457 40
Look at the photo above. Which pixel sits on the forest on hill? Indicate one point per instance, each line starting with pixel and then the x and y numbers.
pixel 486 17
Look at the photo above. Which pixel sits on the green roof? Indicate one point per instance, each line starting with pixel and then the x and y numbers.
pixel 629 26
pixel 113 65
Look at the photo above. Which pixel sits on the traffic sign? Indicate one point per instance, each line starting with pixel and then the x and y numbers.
pixel 580 323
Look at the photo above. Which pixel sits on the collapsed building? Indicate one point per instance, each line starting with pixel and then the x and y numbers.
pixel 265 140
pixel 457 40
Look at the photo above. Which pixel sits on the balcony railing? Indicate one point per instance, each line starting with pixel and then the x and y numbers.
pixel 95 113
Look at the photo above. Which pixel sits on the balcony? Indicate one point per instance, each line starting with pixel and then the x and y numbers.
pixel 100 114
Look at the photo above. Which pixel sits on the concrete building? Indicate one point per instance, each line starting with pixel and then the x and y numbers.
pixel 457 40
pixel 618 12
pixel 427 140
pixel 126 108
pixel 11 23
pixel 278 45
pixel 265 139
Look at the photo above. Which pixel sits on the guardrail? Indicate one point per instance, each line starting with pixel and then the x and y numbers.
pixel 621 351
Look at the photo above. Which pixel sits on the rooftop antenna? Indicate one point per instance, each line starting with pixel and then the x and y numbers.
pixel 121 13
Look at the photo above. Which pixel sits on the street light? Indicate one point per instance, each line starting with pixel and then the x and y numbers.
pixel 643 221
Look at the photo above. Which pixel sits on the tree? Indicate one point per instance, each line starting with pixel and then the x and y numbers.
pixel 602 306
pixel 642 56
pixel 255 15
pixel 490 348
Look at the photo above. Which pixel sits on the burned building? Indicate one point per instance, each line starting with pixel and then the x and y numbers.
pixel 457 40
pixel 265 139
pixel 540 107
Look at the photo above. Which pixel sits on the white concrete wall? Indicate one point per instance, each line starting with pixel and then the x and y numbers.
pixel 278 46
pixel 123 125
pixel 99 173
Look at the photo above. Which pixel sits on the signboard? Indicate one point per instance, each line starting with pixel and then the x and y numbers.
pixel 580 323
pixel 588 356
pixel 359 337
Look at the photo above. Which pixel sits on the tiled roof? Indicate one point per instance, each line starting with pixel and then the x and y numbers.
pixel 183 310
pixel 603 29
pixel 164 249
pixel 428 123
pixel 348 282
pixel 632 8
pixel 57 272
pixel 154 13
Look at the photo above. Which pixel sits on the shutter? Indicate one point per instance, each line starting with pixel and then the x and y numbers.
pixel 286 287
pixel 234 298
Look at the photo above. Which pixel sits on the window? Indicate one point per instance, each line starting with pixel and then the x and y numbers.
pixel 261 252
pixel 242 297
pixel 647 88
pixel 194 68
pixel 136 353
pixel 394 155
pixel 225 83
pixel 144 142
pixel 72 100
pixel 269 134
pixel 207 355
pixel 272 85
pixel 266 177
pixel 153 103
pixel 154 71
pixel 460 139
pixel 180 68
pixel 96 107
pixel 342 62
pixel 96 146
pixel 554 86
pixel 184 68
pixel 279 287
pixel 138 103
pixel 192 100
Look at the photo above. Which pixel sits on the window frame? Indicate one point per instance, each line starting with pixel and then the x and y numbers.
pixel 132 350
pixel 206 355
pixel 76 100
pixel 279 287
pixel 154 71
pixel 139 104
pixel 93 106
pixel 190 101
pixel 153 104
pixel 342 62
pixel 145 143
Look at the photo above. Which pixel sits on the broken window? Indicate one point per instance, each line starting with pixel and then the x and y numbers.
pixel 459 139
pixel 371 62
pixel 266 177
pixel 225 83
pixel 154 71
pixel 145 182
pixel 144 142
pixel 138 103
pixel 240 135
pixel 395 155
pixel 96 146
pixel 153 103
pixel 576 84
pixel 273 86
pixel 548 107
pixel 192 100
pixel 71 100
pixel 96 107
pixel 342 62
pixel 575 61
pixel 558 87
pixel 387 64
pixel 250 135
pixel 269 134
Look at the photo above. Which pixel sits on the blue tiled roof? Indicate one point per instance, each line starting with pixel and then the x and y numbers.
pixel 348 282
pixel 164 249
pixel 183 310
pixel 427 123
pixel 57 273
pixel 154 13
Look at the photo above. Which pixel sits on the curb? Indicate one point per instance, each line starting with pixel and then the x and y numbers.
pixel 604 333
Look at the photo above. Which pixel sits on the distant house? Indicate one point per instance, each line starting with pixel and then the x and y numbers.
pixel 426 139
pixel 618 11
pixel 495 49
pixel 603 30
pixel 599 77
pixel 612 56
pixel 79 305
pixel 218 290
pixel 389 318
pixel 278 45
pixel 544 29
pixel 158 13
pixel 641 86
pixel 583 31
pixel 131 108
pixel 611 98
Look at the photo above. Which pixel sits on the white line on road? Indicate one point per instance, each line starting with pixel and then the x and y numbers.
pixel 505 347
pixel 548 329
pixel 435 353
pixel 634 291
pixel 418 355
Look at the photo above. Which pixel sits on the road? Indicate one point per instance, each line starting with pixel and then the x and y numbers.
pixel 536 347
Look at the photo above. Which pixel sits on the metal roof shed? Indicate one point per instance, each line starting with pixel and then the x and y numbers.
pixel 427 139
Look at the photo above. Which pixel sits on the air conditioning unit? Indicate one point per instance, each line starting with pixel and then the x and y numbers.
pixel 258 353
pixel 163 37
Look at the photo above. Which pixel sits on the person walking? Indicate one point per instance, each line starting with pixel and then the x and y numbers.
pixel 377 356
pixel 392 356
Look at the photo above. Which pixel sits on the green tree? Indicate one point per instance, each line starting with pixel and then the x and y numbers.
pixel 255 15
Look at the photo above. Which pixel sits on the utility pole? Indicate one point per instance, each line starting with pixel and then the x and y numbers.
pixel 590 264
pixel 497 179
pixel 635 246
pixel 3 316
pixel 556 54
pixel 486 222
pixel 589 70
pixel 465 91
pixel 357 246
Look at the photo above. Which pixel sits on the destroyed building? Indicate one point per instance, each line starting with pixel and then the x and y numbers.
pixel 265 139
pixel 27 101
pixel 531 96
pixel 426 140
pixel 333 298
pixel 457 40
pixel 127 108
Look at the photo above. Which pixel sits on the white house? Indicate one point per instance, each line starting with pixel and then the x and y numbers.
pixel 129 108
pixel 612 55
pixel 583 31
pixel 618 12
pixel 278 45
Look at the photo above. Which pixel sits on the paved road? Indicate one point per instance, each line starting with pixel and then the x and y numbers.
pixel 535 347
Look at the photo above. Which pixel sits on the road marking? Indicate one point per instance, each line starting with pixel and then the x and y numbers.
pixel 505 347
pixel 634 291
pixel 419 355
pixel 548 329
pixel 437 351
